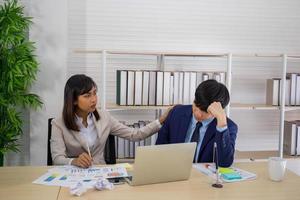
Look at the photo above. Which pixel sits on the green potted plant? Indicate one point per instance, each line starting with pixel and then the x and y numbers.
pixel 18 70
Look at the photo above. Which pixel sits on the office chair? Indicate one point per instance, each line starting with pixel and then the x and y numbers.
pixel 109 150
pixel 49 156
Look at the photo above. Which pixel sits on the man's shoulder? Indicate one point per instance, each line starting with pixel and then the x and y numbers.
pixel 182 109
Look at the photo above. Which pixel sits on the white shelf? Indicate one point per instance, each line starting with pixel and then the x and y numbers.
pixel 236 106
pixel 233 106
pixel 161 62
pixel 154 53
pixel 115 107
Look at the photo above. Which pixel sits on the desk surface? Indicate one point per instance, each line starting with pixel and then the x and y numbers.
pixel 15 183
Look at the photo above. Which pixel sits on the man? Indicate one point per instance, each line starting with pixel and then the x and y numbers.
pixel 204 122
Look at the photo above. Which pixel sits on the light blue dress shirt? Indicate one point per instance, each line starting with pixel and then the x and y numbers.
pixel 202 130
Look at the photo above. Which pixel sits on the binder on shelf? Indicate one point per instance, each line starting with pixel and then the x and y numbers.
pixel 193 82
pixel 166 88
pixel 130 88
pixel 186 88
pixel 141 124
pixel 205 76
pixel 126 148
pixel 154 138
pixel 121 147
pixel 293 88
pixel 287 92
pixel 272 91
pixel 290 137
pixel 181 85
pixel 136 143
pixel 199 78
pixel 223 78
pixel 152 88
pixel 171 90
pixel 298 91
pixel 145 99
pixel 138 86
pixel 176 87
pixel 159 88
pixel 121 87
pixel 298 139
pixel 131 149
pixel 217 76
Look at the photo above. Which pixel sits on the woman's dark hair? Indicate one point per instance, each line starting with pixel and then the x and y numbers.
pixel 76 85
pixel 208 92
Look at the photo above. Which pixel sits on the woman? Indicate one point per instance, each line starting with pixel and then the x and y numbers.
pixel 79 136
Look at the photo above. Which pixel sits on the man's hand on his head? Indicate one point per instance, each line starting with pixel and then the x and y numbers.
pixel 218 112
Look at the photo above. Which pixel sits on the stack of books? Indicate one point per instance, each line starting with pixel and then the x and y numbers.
pixel 158 88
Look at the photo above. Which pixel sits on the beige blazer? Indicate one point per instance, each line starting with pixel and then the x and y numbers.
pixel 67 144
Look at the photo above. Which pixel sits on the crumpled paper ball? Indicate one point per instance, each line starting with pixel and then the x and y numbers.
pixel 78 189
pixel 103 183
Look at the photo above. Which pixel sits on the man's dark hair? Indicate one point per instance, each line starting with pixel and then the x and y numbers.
pixel 76 85
pixel 208 92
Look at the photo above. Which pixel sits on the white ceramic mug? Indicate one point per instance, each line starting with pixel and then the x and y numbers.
pixel 277 168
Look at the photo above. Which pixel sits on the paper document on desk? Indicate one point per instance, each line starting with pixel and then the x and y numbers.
pixel 67 176
pixel 231 174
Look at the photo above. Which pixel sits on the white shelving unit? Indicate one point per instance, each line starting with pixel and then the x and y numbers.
pixel 161 56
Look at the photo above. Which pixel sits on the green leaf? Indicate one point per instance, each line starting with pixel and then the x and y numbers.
pixel 18 67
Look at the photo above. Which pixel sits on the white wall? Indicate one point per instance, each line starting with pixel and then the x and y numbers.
pixel 50 34
pixel 269 26
pixel 192 25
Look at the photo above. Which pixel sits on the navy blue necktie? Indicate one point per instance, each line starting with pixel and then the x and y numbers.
pixel 195 136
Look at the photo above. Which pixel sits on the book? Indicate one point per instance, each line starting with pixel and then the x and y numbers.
pixel 199 79
pixel 121 87
pixel 138 87
pixel 186 88
pixel 272 92
pixel 159 88
pixel 166 88
pixel 171 90
pixel 290 138
pixel 176 87
pixel 293 88
pixel 145 99
pixel 298 90
pixel 130 88
pixel 152 88
pixel 287 92
pixel 193 82
pixel 180 95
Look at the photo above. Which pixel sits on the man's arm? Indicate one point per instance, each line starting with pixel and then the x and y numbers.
pixel 225 136
pixel 226 144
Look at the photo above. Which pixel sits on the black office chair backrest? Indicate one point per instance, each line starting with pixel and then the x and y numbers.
pixel 109 151
pixel 49 156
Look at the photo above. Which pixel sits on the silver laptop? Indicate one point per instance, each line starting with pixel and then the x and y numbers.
pixel 162 163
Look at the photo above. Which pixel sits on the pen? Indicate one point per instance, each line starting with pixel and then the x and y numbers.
pixel 215 154
pixel 88 148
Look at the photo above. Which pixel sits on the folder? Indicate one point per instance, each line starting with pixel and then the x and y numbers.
pixel 121 87
pixel 138 86
pixel 145 99
pixel 130 88
pixel 166 88
pixel 186 88
pixel 159 88
pixel 152 88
